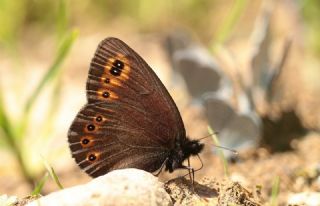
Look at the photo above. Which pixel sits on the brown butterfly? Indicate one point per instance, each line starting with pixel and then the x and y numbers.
pixel 130 120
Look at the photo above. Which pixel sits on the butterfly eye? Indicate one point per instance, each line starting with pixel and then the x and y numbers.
pixel 105 94
pixel 91 127
pixel 92 157
pixel 99 119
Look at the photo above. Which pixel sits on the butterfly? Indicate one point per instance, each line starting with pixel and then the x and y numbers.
pixel 130 119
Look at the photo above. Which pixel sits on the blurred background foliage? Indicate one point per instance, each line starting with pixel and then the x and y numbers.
pixel 46 30
pixel 54 17
pixel 310 11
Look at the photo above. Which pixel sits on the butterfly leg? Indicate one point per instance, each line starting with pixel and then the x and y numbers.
pixel 163 164
pixel 190 173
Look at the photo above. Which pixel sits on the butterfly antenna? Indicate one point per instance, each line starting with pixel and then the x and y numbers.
pixel 229 149
pixel 215 133
pixel 218 146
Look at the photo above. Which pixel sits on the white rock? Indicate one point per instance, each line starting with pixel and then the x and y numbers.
pixel 7 200
pixel 119 187
pixel 307 198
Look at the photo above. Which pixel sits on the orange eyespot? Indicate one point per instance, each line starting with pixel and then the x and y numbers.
pixel 106 80
pixel 99 118
pixel 91 127
pixel 105 95
pixel 87 141
pixel 92 157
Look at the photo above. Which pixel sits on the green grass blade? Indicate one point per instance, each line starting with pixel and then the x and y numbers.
pixel 275 191
pixel 220 152
pixel 52 111
pixel 37 190
pixel 56 178
pixel 62 19
pixel 5 123
pixel 54 69
pixel 228 25
pixel 10 137
pixel 52 173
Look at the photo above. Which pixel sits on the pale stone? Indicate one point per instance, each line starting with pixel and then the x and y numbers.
pixel 119 187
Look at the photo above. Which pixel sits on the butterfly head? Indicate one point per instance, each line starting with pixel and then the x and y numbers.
pixel 192 147
pixel 184 148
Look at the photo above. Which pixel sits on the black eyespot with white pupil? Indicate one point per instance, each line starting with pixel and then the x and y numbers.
pixel 99 119
pixel 115 72
pixel 116 68
pixel 118 64
pixel 105 94
pixel 92 157
pixel 107 81
pixel 91 127
pixel 85 141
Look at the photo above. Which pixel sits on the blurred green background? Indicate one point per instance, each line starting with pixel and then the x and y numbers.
pixel 46 47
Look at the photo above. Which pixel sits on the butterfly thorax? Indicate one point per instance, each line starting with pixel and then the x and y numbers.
pixel 184 148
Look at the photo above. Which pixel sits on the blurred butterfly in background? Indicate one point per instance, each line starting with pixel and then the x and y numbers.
pixel 130 119
pixel 212 91
pixel 244 117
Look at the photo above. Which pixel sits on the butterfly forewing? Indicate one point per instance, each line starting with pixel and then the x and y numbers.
pixel 118 73
pixel 130 119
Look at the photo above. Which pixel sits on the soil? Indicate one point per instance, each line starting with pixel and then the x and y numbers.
pixel 251 179
pixel 253 175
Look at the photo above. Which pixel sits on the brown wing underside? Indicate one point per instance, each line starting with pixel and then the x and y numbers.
pixel 130 119
pixel 105 147
pixel 137 86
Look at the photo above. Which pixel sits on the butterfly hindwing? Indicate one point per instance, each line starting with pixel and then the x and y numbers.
pixel 102 139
